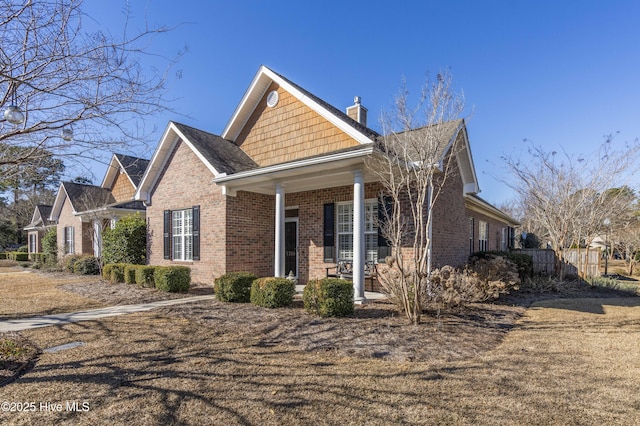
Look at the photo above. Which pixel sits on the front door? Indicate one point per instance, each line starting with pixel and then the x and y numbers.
pixel 291 246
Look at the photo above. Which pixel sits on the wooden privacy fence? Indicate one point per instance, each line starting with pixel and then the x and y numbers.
pixel 590 265
pixel 544 260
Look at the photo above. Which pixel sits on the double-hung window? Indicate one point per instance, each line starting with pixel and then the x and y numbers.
pixel 344 222
pixel 483 231
pixel 182 233
pixel 69 240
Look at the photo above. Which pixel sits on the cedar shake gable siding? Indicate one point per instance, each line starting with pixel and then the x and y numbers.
pixel 289 131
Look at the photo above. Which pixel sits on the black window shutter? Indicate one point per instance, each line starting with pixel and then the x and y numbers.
pixel 329 240
pixel 196 232
pixel 167 234
pixel 385 208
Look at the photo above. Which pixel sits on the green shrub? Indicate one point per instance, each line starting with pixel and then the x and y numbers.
pixel 86 265
pixel 523 262
pixel 50 246
pixel 130 273
pixel 114 272
pixel 18 256
pixel 126 242
pixel 234 287
pixel 3 256
pixel 329 297
pixel 272 292
pixel 174 279
pixel 69 262
pixel 37 257
pixel 23 249
pixel 144 276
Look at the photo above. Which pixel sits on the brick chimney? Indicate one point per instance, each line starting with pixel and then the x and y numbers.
pixel 357 111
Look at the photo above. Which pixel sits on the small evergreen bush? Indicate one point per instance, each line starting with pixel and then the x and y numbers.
pixel 114 272
pixel 69 262
pixel 126 242
pixel 272 292
pixel 130 274
pixel 329 297
pixel 174 279
pixel 144 276
pixel 50 246
pixel 234 287
pixel 86 265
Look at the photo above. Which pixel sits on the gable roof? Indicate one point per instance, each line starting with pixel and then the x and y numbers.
pixel 450 131
pixel 225 156
pixel 40 217
pixel 258 87
pixel 219 155
pixel 133 167
pixel 81 197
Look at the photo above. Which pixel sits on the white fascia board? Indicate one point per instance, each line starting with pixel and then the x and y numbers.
pixel 108 176
pixel 260 85
pixel 363 152
pixel 196 152
pixel 58 203
pixel 157 163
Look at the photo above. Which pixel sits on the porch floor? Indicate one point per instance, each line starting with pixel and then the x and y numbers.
pixel 369 295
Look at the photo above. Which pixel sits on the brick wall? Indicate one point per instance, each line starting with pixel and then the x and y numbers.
pixel 68 219
pixel 494 239
pixel 184 183
pixel 250 230
pixel 449 230
pixel 289 131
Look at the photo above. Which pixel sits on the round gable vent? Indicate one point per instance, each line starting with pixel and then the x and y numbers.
pixel 272 99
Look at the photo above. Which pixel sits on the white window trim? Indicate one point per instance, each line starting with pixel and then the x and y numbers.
pixel 483 235
pixel 69 240
pixel 184 255
pixel 370 229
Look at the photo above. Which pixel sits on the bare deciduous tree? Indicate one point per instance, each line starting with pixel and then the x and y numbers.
pixel 417 153
pixel 568 197
pixel 64 79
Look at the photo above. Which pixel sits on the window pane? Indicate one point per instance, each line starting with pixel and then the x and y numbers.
pixel 177 247
pixel 345 246
pixel 371 247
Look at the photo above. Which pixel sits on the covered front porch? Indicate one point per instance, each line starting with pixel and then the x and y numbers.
pixel 301 192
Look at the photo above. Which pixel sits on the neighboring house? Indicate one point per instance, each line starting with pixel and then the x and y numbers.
pixel 82 212
pixel 40 224
pixel 276 193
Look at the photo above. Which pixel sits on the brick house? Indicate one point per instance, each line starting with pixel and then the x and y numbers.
pixel 82 212
pixel 40 225
pixel 286 189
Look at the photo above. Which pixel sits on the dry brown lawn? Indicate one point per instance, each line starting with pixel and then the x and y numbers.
pixel 564 361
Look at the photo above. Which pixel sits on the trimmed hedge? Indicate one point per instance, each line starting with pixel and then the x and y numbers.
pixel 234 287
pixel 114 272
pixel 18 256
pixel 272 292
pixel 329 297
pixel 144 276
pixel 174 279
pixel 130 274
pixel 86 265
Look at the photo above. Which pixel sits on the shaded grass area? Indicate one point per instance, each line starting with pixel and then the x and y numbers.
pixel 561 364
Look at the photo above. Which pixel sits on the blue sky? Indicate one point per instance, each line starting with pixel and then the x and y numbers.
pixel 560 73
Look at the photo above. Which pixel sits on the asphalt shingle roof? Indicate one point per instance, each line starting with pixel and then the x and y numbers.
pixel 135 167
pixel 87 197
pixel 224 155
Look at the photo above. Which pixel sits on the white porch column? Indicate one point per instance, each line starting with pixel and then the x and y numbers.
pixel 279 237
pixel 358 236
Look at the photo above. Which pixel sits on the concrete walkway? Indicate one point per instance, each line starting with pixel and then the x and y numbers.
pixel 111 311
pixel 92 314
